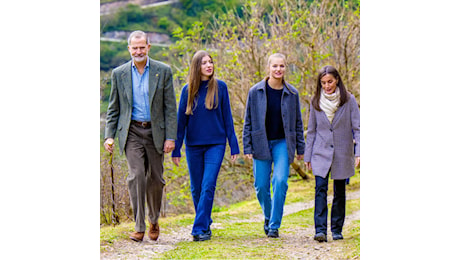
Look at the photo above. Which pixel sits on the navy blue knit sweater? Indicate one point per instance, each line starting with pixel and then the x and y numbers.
pixel 273 120
pixel 205 126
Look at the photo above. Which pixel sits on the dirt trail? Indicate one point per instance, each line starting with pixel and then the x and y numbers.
pixel 300 243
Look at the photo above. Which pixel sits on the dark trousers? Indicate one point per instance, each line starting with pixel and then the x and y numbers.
pixel 338 205
pixel 145 178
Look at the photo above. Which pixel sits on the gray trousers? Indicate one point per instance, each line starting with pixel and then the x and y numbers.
pixel 145 178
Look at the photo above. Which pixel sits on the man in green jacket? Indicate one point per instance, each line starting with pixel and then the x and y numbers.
pixel 142 108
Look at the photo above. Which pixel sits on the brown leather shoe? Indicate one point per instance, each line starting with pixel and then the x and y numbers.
pixel 137 236
pixel 154 231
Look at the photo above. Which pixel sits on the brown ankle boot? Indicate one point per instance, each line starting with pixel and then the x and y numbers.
pixel 137 236
pixel 154 231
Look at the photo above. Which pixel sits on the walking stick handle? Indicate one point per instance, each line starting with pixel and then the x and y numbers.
pixel 110 143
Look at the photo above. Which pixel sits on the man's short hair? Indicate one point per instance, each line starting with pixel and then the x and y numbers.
pixel 138 34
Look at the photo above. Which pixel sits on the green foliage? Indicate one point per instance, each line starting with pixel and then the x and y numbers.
pixel 113 54
pixel 178 192
pixel 311 33
pixel 165 18
pixel 129 18
pixel 105 91
pixel 107 1
pixel 164 23
pixel 205 7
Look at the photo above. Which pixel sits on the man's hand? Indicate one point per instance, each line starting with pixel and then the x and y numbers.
pixel 249 156
pixel 169 146
pixel 108 145
pixel 357 161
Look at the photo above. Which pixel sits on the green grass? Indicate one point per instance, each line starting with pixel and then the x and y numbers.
pixel 246 240
pixel 234 238
pixel 352 245
pixel 239 240
pixel 110 234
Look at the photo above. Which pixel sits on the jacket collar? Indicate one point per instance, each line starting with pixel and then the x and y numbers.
pixel 286 89
pixel 127 80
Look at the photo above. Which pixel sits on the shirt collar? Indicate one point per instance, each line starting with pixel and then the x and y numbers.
pixel 147 65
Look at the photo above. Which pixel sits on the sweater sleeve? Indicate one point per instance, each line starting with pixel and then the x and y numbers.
pixel 228 121
pixel 182 119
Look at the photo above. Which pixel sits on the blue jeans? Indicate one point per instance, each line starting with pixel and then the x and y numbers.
pixel 204 163
pixel 338 205
pixel 272 208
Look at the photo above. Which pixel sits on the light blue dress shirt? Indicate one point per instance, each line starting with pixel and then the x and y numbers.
pixel 141 108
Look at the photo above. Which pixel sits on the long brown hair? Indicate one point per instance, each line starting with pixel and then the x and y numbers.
pixel 343 91
pixel 194 81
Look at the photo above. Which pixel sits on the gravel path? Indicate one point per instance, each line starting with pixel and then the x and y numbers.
pixel 300 242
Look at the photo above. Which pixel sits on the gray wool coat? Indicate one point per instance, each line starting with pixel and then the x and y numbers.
pixel 330 146
pixel 255 139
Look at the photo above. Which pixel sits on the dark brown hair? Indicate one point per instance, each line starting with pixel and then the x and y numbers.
pixel 343 91
pixel 194 81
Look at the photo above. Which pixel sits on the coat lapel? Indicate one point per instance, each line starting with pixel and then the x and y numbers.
pixel 153 80
pixel 128 83
pixel 338 114
pixel 323 116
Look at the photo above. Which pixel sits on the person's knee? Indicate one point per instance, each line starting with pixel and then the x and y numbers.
pixel 280 183
pixel 321 186
pixel 208 189
pixel 262 186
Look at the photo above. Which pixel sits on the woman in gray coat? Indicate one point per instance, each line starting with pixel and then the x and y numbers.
pixel 273 131
pixel 332 147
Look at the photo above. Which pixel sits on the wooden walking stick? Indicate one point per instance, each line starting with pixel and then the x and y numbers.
pixel 114 215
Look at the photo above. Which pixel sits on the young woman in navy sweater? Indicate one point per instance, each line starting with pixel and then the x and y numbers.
pixel 205 122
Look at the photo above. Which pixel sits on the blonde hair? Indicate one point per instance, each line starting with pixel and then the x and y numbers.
pixel 269 60
pixel 194 82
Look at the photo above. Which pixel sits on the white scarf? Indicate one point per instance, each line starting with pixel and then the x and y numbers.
pixel 329 103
